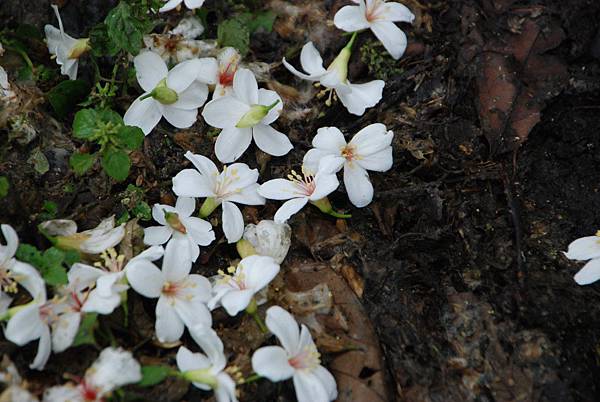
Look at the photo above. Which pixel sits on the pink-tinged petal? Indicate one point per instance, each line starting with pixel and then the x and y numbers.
pixel 397 12
pixel 272 362
pixel 584 248
pixel 177 262
pixel 182 75
pixel 149 69
pixel 309 387
pixel 232 142
pixel 358 97
pixel 156 235
pixel 145 279
pixel 25 326
pixel 392 37
pixel 351 19
pixel 144 114
pixel 188 361
pixel 271 141
pixel 190 183
pixel 325 184
pixel 193 97
pixel 329 139
pixel 311 60
pixel 179 118
pixel 280 189
pixel 590 273
pixel 170 5
pixel 208 70
pixel 237 300
pixel 381 161
pixel 283 325
pixel 43 351
pixel 169 327
pixel 199 230
pixel 358 185
pixel 185 206
pixel 224 112
pixel 245 86
pixel 64 331
pixel 259 271
pixel 266 98
pixel 289 208
pixel 233 222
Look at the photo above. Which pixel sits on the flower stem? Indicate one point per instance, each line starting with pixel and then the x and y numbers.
pixel 207 208
pixel 339 215
pixel 252 378
pixel 351 42
pixel 252 310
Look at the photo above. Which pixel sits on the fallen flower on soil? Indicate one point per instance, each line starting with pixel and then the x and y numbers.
pixel 175 95
pixel 378 16
pixel 244 114
pixel 586 248
pixel 235 291
pixel 235 184
pixel 296 358
pixel 267 238
pixel 65 48
pixel 369 149
pixel 182 296
pixel 179 227
pixel 207 371
pixel 114 368
pixel 63 234
pixel 355 97
pixel 228 60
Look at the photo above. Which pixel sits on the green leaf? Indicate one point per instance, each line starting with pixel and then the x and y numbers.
pixel 110 116
pixel 234 32
pixel 66 95
pixel 123 218
pixel 129 137
pixel 53 256
pixel 4 186
pixel 55 275
pixel 116 163
pixel 152 375
pixel 101 44
pixel 29 254
pixel 256 21
pixel 39 161
pixel 49 263
pixel 85 123
pixel 71 257
pixel 81 162
pixel 142 210
pixel 124 29
pixel 85 335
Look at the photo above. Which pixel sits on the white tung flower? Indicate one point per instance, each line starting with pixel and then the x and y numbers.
pixel 269 238
pixel 207 371
pixel 106 281
pixel 299 190
pixel 355 97
pixel 582 249
pixel 378 16
pixel 182 296
pixel 369 149
pixel 176 49
pixel 244 114
pixel 228 61
pixel 172 4
pixel 63 234
pixel 113 369
pixel 235 184
pixel 179 227
pixel 175 95
pixel 65 48
pixel 235 292
pixel 296 358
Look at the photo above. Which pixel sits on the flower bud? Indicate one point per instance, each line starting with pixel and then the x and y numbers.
pixel 255 115
pixel 164 94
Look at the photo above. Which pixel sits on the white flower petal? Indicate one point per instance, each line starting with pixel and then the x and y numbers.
pixel 313 157
pixel 325 184
pixel 43 351
pixel 267 98
pixel 358 185
pixel 351 19
pixel 156 235
pixel 289 208
pixel 280 189
pixel 259 271
pixel 358 97
pixel 233 222
pixel 224 112
pixel 211 344
pixel 271 141
pixel 96 303
pixel 193 97
pixel 311 61
pixel 392 37
pixel 146 280
pixel 182 75
pixel 190 183
pixel 169 327
pixel 114 368
pixel 272 362
pixel 308 77
pixel 283 325
pixel 8 251
pixel 237 300
pixel 82 276
pixel 208 70
pixel 193 313
pixel 30 278
pixel 176 261
pixel 64 330
pixel 185 206
pixel 248 196
pixel 152 254
pixel 149 69
pixel 68 392
pixel 170 5
pixel 225 391
pixel 232 142
pixel 25 326
pixel 309 387
pixel 179 118
pixel 200 230
pixel 269 238
pixel 329 139
pixel 397 12
pixel 188 361
pixel 327 380
pixel 590 273
pixel 584 248
pixel 381 161
pixel 144 114
pixel 191 4
pixel 245 86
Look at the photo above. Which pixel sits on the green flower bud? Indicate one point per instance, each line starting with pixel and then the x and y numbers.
pixel 255 115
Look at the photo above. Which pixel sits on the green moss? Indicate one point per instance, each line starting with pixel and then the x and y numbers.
pixel 380 63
